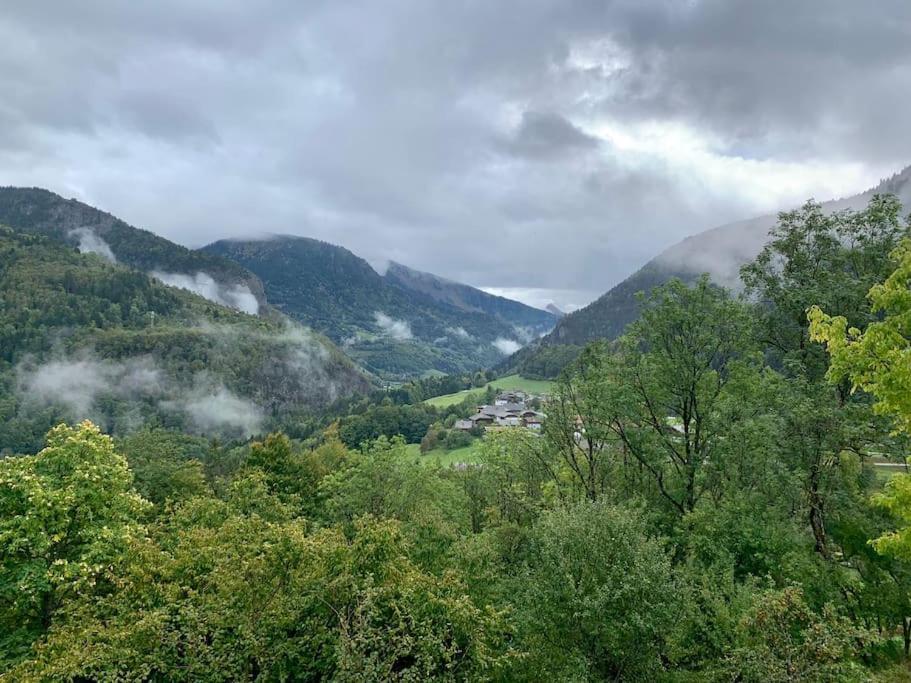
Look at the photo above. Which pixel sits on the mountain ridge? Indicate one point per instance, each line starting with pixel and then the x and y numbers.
pixel 469 298
pixel 42 212
pixel 396 325
pixel 719 251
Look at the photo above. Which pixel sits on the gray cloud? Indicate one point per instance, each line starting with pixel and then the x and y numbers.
pixel 296 369
pixel 76 383
pixel 215 409
pixel 546 135
pixel 424 140
pixel 459 333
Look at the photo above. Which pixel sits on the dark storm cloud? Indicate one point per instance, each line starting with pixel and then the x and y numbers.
pixel 533 144
pixel 546 135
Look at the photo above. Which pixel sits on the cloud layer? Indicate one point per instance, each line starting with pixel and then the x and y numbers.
pixel 519 145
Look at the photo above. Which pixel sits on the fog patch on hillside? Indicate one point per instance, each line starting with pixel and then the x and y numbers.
pixel 236 296
pixel 248 375
pixel 77 383
pixel 528 334
pixel 90 242
pixel 212 408
pixel 399 330
pixel 506 346
pixel 459 332
pixel 84 387
pixel 294 364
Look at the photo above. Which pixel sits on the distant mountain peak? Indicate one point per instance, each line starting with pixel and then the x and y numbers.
pixel 552 308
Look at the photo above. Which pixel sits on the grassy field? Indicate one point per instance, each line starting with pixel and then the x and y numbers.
pixel 446 458
pixel 508 383
pixel 885 471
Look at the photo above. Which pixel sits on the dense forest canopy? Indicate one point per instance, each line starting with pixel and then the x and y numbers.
pixel 706 502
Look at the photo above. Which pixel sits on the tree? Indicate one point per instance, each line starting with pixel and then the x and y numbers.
pixel 166 465
pixel 828 260
pixel 221 595
pixel 815 258
pixel 598 598
pixel 878 361
pixel 66 516
pixel 385 482
pixel 654 398
pixel 783 640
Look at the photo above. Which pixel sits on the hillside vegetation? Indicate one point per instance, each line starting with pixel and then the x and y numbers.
pixel 40 212
pixel 701 505
pixel 81 337
pixel 397 326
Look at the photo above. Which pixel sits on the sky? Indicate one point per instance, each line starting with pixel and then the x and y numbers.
pixel 541 149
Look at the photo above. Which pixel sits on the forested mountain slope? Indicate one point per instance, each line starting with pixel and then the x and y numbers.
pixel 389 324
pixel 720 252
pixel 41 212
pixel 84 338
pixel 467 298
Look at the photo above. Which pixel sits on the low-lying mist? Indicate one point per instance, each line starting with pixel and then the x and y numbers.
pixel 210 379
pixel 236 296
pixel 90 242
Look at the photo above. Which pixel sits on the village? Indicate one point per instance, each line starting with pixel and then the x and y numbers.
pixel 510 409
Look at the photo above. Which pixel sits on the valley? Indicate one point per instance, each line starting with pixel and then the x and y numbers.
pixel 455 342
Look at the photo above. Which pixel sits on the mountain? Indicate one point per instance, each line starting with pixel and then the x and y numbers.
pixel 40 212
pixel 552 309
pixel 81 337
pixel 402 324
pixel 467 298
pixel 720 251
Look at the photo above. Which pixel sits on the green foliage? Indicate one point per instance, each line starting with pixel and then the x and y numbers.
pixel 896 498
pixel 875 359
pixel 39 212
pixel 167 466
pixel 784 640
pixel 599 596
pixel 66 516
pixel 546 361
pixel 657 396
pixel 825 260
pixel 249 599
pixel 699 507
pixel 410 422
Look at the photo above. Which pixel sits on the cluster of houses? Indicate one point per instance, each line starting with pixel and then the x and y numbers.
pixel 510 409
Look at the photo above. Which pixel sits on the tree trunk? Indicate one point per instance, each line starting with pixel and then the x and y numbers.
pixel 817 523
pixel 906 632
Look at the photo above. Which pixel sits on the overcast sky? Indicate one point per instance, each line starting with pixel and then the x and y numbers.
pixel 542 148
